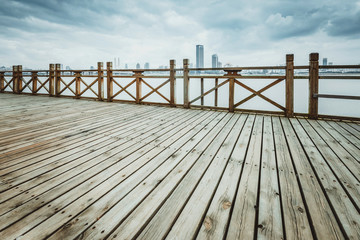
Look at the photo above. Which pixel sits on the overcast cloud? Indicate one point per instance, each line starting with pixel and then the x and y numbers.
pixel 80 33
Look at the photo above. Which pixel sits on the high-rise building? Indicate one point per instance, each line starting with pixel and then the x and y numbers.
pixel 214 61
pixel 199 56
pixel 325 62
pixel 219 64
pixel 147 65
pixel 138 66
pixel 126 66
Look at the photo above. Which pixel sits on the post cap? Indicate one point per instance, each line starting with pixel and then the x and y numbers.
pixel 289 57
pixel 314 56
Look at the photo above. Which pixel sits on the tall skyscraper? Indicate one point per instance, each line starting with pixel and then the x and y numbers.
pixel 199 56
pixel 138 66
pixel 214 61
pixel 325 61
pixel 147 65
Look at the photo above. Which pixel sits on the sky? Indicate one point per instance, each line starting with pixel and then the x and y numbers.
pixel 79 34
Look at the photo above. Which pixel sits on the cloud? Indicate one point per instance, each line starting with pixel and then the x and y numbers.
pixel 344 26
pixel 84 32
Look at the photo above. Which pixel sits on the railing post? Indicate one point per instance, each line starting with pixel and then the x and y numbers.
pixel 2 81
pixel 100 81
pixel 313 85
pixel 20 79
pixel 172 83
pixel 109 78
pixel 202 90
pixel 231 93
pixel 186 83
pixel 15 79
pixel 51 80
pixel 34 78
pixel 138 75
pixel 289 85
pixel 77 84
pixel 216 92
pixel 57 80
pixel 232 74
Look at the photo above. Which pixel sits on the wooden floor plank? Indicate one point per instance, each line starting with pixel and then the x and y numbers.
pixel 355 126
pixel 171 204
pixel 198 203
pixel 269 216
pixel 346 211
pixel 329 148
pixel 350 129
pixel 353 139
pixel 243 218
pixel 323 220
pixel 295 217
pixel 215 222
pixel 341 140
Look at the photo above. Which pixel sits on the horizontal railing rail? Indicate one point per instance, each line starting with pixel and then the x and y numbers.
pixel 108 84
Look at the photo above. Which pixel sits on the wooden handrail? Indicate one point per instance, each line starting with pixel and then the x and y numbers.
pixel 336 96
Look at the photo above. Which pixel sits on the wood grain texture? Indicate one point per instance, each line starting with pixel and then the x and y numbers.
pixel 76 169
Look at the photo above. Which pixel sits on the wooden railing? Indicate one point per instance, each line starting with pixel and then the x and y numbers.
pixel 78 83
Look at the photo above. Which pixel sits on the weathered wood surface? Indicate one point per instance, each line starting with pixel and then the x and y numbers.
pixel 93 170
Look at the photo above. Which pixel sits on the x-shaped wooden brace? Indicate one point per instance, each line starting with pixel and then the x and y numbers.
pixel 209 91
pixel 43 85
pixel 123 89
pixel 258 93
pixel 26 84
pixel 8 83
pixel 67 86
pixel 155 90
pixel 88 86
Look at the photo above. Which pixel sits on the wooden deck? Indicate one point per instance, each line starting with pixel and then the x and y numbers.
pixel 93 170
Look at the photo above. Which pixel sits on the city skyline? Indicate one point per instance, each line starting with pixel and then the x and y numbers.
pixel 215 63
